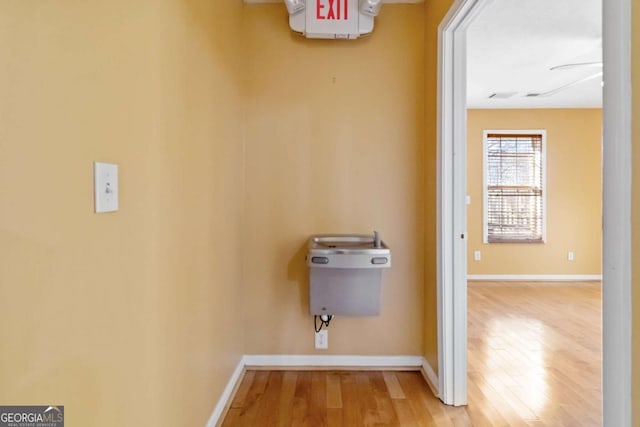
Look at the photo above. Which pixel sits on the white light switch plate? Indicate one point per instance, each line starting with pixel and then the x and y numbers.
pixel 105 178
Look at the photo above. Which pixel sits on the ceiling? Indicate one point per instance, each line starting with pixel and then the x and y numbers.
pixel 513 44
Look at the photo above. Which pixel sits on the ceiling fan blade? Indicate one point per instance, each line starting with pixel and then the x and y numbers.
pixel 576 65
pixel 572 84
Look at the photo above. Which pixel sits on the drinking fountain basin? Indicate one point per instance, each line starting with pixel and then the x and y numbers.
pixel 346 273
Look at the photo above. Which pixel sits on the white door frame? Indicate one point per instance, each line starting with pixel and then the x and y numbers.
pixel 451 261
pixel 451 212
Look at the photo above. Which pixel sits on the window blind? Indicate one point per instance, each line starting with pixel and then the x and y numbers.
pixel 514 188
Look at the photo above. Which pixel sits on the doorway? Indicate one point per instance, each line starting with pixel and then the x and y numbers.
pixel 452 244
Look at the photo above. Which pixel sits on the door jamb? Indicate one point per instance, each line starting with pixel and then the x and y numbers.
pixel 617 169
pixel 451 198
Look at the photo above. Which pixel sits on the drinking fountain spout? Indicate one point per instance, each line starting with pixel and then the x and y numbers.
pixel 376 240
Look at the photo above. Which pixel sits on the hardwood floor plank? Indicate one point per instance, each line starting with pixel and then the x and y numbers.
pixel 301 400
pixel 285 405
pixel 488 408
pixel 334 417
pixel 461 419
pixel 243 389
pixel 441 414
pixel 231 419
pixel 412 387
pixel 249 411
pixel 350 402
pixel 368 404
pixel 502 406
pixel 318 404
pixel 404 413
pixel 386 412
pixel 334 391
pixel 395 390
pixel 268 408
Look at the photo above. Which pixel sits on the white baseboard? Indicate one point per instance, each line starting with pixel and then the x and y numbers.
pixel 336 361
pixel 536 277
pixel 431 377
pixel 226 394
pixel 276 360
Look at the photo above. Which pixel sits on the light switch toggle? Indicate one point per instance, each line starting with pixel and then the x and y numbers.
pixel 105 176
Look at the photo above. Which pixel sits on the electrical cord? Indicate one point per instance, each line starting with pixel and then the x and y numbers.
pixel 323 322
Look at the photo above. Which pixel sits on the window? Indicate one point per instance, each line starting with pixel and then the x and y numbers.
pixel 514 186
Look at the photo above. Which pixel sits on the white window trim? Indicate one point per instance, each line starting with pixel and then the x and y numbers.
pixel 485 174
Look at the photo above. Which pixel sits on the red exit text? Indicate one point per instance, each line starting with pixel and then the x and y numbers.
pixel 332 9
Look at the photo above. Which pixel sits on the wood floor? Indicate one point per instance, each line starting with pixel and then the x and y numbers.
pixel 534 360
pixel 535 355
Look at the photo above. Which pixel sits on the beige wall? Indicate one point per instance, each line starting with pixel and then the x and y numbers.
pixel 635 42
pixel 129 318
pixel 335 137
pixel 574 193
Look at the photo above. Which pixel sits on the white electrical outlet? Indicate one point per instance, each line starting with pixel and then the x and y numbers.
pixel 322 340
pixel 570 256
pixel 477 256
